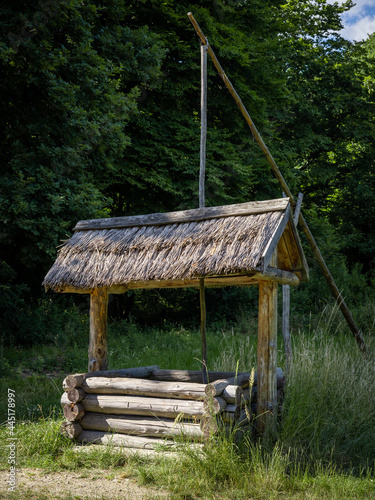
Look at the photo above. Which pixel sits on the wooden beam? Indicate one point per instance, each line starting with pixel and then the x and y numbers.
pixel 286 327
pixel 275 169
pixel 140 426
pixel 266 357
pixel 239 103
pixel 251 278
pixel 297 209
pixel 77 379
pixel 98 347
pixel 123 440
pixel 195 376
pixel 194 215
pixel 143 387
pixel 290 253
pixel 120 404
pixel 70 429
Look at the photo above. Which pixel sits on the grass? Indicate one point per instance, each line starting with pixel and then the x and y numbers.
pixel 325 447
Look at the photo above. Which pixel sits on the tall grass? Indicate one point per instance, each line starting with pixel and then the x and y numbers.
pixel 330 405
pixel 325 446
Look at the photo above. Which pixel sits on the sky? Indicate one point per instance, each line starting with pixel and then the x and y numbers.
pixel 359 21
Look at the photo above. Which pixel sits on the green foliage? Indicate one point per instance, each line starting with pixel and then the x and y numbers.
pixel 351 280
pixel 11 301
pixel 43 321
pixel 328 134
pixel 329 415
pixel 66 97
pixel 162 162
pixel 101 118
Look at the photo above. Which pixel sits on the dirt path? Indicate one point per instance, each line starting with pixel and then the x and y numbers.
pixel 37 484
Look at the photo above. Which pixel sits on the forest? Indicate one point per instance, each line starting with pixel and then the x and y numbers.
pixel 101 103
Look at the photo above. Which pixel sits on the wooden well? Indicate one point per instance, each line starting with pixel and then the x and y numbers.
pixel 252 243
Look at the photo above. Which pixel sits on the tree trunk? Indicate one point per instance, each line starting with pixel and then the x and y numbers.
pixel 214 405
pixel 70 429
pixel 76 395
pixel 73 411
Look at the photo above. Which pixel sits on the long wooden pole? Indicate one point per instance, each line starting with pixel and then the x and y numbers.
pixel 202 173
pixel 202 169
pixel 275 169
pixel 286 301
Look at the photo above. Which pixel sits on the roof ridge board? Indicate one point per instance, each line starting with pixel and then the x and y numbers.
pixel 193 215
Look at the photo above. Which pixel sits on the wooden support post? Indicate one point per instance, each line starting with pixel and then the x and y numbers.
pixel 297 209
pixel 266 354
pixel 203 329
pixel 98 330
pixel 286 327
pixel 286 300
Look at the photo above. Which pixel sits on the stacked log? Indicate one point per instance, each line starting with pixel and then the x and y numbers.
pixel 135 407
pixel 237 400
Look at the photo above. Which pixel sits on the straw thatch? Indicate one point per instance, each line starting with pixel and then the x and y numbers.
pixel 178 251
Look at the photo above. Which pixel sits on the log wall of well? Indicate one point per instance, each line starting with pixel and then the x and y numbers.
pixel 139 407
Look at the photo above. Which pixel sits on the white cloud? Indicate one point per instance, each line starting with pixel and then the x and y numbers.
pixel 360 8
pixel 359 21
pixel 359 29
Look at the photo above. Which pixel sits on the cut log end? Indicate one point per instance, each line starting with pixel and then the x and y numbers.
pixel 71 430
pixel 75 395
pixel 73 411
pixel 214 405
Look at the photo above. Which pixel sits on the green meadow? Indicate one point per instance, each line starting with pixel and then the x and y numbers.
pixel 325 443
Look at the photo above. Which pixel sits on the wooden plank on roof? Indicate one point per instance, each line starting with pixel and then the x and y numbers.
pixel 305 267
pixel 295 251
pixel 274 239
pixel 195 215
pixel 283 256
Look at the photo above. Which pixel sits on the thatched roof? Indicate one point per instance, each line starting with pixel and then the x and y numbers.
pixel 177 248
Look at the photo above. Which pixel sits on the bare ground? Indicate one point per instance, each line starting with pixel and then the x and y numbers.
pixel 37 484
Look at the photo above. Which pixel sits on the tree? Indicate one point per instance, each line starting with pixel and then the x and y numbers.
pixel 329 134
pixel 160 167
pixel 67 93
